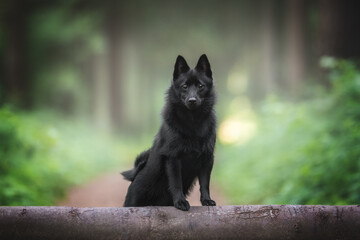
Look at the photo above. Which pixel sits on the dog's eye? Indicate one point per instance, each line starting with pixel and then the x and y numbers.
pixel 201 86
pixel 184 86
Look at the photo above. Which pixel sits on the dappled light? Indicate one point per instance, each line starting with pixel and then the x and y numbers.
pixel 237 82
pixel 236 131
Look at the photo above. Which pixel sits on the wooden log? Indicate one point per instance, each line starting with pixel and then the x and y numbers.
pixel 221 222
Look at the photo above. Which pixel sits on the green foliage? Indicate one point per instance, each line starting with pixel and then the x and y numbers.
pixel 41 156
pixel 304 153
pixel 61 44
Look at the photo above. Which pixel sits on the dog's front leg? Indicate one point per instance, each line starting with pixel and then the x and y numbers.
pixel 173 171
pixel 204 180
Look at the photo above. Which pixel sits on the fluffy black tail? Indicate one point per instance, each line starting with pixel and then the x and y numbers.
pixel 140 163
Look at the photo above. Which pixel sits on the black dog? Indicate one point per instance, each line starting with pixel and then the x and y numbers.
pixel 183 149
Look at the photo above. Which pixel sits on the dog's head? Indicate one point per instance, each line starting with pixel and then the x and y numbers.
pixel 192 86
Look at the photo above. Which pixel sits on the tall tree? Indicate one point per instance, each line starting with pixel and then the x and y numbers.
pixel 267 47
pixel 113 26
pixel 294 45
pixel 338 28
pixel 16 78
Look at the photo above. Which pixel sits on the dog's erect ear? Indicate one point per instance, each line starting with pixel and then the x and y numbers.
pixel 180 66
pixel 203 65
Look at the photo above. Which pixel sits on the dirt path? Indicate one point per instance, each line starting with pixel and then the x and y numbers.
pixel 109 190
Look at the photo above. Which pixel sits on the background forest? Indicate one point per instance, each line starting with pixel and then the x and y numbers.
pixel 82 85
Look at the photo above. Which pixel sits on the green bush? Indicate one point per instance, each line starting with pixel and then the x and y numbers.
pixel 304 153
pixel 42 155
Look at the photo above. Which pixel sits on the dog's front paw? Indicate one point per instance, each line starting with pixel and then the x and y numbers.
pixel 182 204
pixel 208 202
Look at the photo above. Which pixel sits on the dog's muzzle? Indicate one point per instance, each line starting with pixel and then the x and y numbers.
pixel 192 103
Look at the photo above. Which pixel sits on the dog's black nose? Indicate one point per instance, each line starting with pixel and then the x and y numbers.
pixel 192 100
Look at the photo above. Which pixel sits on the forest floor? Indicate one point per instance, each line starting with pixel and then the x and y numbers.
pixel 109 190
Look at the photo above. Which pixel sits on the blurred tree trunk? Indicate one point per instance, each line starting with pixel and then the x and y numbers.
pixel 94 71
pixel 113 32
pixel 339 35
pixel 294 45
pixel 99 89
pixel 16 77
pixel 88 70
pixel 267 47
